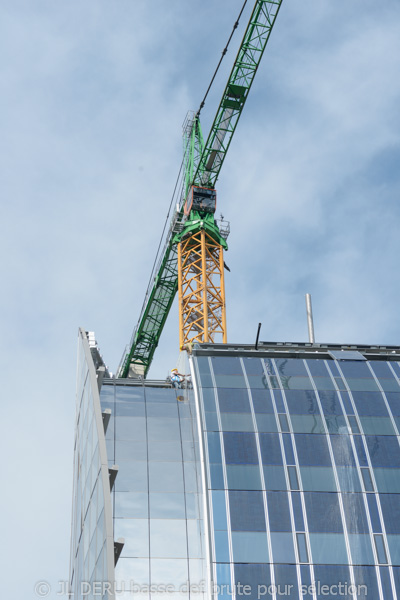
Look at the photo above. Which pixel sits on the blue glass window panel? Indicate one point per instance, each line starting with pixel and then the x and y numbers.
pixel 361 549
pixel 236 422
pixel 165 450
pixel 266 423
pixel 348 407
pixel 253 366
pixel 208 397
pixel 240 448
pixel 333 575
pixel 297 511
pixel 373 513
pixel 380 549
pixel 250 547
pixel 330 403
pixel 302 402
pixel 131 505
pixel 230 381
pixel 217 476
pixel 258 381
pixel 290 366
pixel 394 548
pixel 283 422
pixel 302 547
pixel 253 575
pixel 307 424
pixel 262 401
pixel 156 409
pixel 274 477
pixel 366 582
pixel 324 383
pixel 390 504
pixel 280 406
pixel 289 454
pixel 389 385
pixel 226 365
pixel 270 449
pixel 362 385
pixel 286 582
pixel 336 424
pixel 165 477
pixel 318 479
pixel 355 515
pixel 219 510
pixel 243 477
pixel 296 383
pixel 384 451
pixel 394 402
pixel 162 395
pixel 247 511
pixel 306 585
pixel 387 480
pixel 282 547
pixel 274 382
pixel 127 408
pixel 397 421
pixel 328 548
pixel 381 369
pixel 342 450
pixel 355 369
pixel 323 512
pixel 294 482
pixel 132 477
pixel 233 400
pixel 204 371
pixel 360 450
pixel 160 428
pixel 130 450
pixel 353 424
pixel 396 575
pixel 130 428
pixel 349 480
pixel 377 425
pixel 317 367
pixel 223 574
pixel 167 506
pixel 312 450
pixel 211 421
pixel 221 546
pixel 347 355
pixel 386 583
pixel 278 511
pixel 214 447
pixel 370 404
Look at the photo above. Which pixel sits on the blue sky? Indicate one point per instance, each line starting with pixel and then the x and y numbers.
pixel 93 99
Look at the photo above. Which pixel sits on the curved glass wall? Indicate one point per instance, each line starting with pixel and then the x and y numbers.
pixel 92 549
pixel 303 476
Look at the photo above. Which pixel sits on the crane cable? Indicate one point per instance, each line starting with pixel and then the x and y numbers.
pixel 225 50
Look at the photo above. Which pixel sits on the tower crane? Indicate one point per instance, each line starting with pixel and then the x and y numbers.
pixel 191 261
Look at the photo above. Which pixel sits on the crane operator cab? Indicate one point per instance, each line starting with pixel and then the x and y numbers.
pixel 201 199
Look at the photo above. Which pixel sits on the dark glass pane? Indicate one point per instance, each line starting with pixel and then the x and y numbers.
pixel 283 422
pixel 160 395
pixel 204 370
pixel 278 511
pixel 366 582
pixel 214 447
pixel 240 448
pixel 247 511
pixel 366 475
pixel 297 511
pixel 370 404
pixel 390 504
pixel 233 400
pixel 270 449
pixel 386 583
pixel 333 575
pixel 353 424
pixel 243 477
pixel 348 407
pixel 302 402
pixel 373 513
pixel 262 401
pixel 330 403
pixel 226 365
pixel 253 366
pixel 306 585
pixel 360 450
pixel 280 406
pixel 317 367
pixel 381 369
pixel 290 366
pixel 323 512
pixel 286 582
pixel 254 576
pixel 380 549
pixel 393 399
pixel 287 443
pixel 355 369
pixel 312 450
pixel 383 450
pixel 208 399
pixel 302 547
pixel 294 482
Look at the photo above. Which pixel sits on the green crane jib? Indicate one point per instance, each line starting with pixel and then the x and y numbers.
pixel 205 161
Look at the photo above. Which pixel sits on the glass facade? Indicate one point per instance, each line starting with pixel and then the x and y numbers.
pixel 275 476
pixel 302 463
